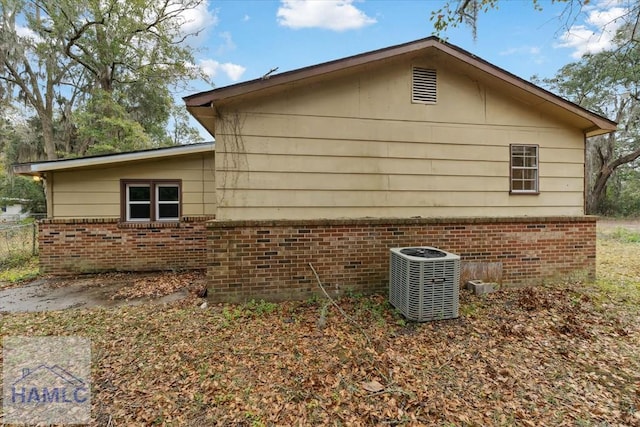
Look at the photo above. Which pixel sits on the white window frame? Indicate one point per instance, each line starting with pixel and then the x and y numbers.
pixel 130 202
pixel 154 202
pixel 535 168
pixel 158 202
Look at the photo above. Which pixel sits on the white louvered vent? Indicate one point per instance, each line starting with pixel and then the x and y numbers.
pixel 424 86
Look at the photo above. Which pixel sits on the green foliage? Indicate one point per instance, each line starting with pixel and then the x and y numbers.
pixel 20 139
pixel 622 197
pixel 456 12
pixel 105 127
pixel 453 13
pixel 250 309
pixel 29 192
pixel 374 308
pixel 627 292
pixel 624 235
pixel 609 84
pixel 17 259
pixel 19 268
pixel 150 105
pixel 72 55
pixel 261 307
pixel 181 131
pixel 470 309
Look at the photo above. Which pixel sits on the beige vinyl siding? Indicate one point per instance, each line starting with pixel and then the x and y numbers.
pixel 357 146
pixel 95 192
pixel 401 212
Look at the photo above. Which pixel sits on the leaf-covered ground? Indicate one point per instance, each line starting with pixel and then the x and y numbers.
pixel 564 354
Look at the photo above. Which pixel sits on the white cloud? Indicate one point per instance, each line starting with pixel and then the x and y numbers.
pixel 597 32
pixel 198 18
pixel 227 43
pixel 336 15
pixel 27 33
pixel 522 50
pixel 211 67
pixel 246 18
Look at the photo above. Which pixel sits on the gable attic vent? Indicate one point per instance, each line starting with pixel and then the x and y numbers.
pixel 424 86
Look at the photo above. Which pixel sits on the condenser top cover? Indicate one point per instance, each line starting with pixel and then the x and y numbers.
pixel 421 253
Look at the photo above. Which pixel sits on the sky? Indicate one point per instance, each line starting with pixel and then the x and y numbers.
pixel 243 40
pixel 240 40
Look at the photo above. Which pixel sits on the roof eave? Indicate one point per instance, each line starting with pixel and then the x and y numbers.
pixel 208 98
pixel 601 125
pixel 600 130
pixel 38 168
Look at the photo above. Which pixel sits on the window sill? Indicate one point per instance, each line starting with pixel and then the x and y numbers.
pixel 524 193
pixel 148 225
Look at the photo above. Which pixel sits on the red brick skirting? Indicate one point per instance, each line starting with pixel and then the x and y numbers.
pixel 71 246
pixel 270 259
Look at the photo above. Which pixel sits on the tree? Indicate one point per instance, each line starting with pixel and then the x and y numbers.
pixel 131 53
pixel 609 84
pixel 63 56
pixel 31 68
pixel 467 12
pixel 28 191
pixel 19 141
pixel 180 129
pixel 104 127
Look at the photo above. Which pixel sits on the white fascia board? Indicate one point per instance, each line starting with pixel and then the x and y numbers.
pixel 35 168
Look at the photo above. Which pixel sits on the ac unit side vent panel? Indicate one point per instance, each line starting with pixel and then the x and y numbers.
pixel 424 283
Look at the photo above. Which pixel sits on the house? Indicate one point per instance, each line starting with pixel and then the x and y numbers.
pixel 13 209
pixel 137 211
pixel 420 144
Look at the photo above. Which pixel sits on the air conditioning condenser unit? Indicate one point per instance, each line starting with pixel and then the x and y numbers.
pixel 424 283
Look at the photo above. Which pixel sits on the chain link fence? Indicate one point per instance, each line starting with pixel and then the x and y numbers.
pixel 18 241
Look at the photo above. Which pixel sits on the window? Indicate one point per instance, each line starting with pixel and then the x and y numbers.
pixel 423 88
pixel 524 169
pixel 156 200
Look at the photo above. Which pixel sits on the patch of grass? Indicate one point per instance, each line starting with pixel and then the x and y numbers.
pixel 470 309
pixel 261 307
pixel 375 308
pixel 618 270
pixel 19 268
pixel 620 291
pixel 17 238
pixel 624 235
pixel 249 309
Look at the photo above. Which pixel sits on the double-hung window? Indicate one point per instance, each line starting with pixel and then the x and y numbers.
pixel 524 169
pixel 151 200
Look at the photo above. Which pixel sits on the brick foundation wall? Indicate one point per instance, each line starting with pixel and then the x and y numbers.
pixel 71 246
pixel 269 259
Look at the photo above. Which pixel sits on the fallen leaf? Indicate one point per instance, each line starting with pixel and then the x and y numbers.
pixel 373 386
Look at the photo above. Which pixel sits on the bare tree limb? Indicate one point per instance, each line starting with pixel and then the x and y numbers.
pixel 335 304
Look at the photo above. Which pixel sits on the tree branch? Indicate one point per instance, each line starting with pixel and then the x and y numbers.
pixel 627 158
pixel 72 42
pixel 335 304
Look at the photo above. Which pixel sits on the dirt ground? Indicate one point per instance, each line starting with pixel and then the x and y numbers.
pixel 118 289
pixel 104 290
